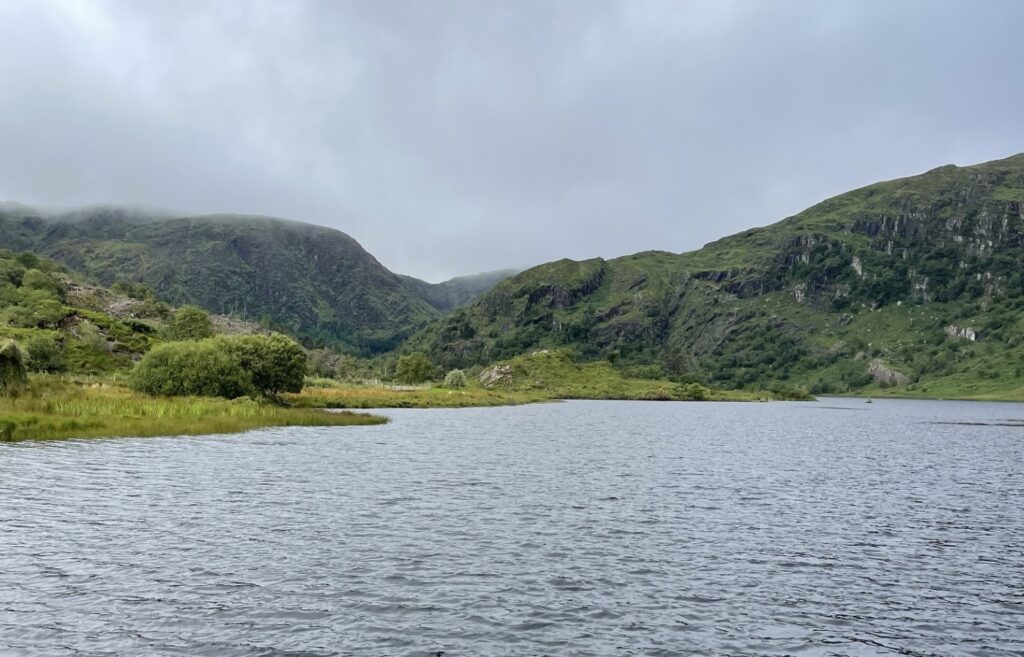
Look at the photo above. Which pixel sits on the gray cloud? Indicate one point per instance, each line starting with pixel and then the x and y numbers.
pixel 453 137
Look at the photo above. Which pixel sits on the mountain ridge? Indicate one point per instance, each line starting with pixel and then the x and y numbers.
pixel 315 282
pixel 785 302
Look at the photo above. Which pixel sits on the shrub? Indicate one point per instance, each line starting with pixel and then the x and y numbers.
pixel 11 272
pixel 455 379
pixel 91 336
pixel 191 368
pixel 190 323
pixel 34 279
pixel 13 374
pixel 223 367
pixel 275 363
pixel 694 392
pixel 45 354
pixel 414 368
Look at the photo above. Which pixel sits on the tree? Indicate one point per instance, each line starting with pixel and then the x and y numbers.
pixel 44 354
pixel 414 368
pixel 191 368
pixel 190 323
pixel 350 368
pixel 455 379
pixel 275 363
pixel 13 374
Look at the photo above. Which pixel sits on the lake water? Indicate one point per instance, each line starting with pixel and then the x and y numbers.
pixel 582 528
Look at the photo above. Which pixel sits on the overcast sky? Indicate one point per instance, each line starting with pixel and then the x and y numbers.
pixel 456 137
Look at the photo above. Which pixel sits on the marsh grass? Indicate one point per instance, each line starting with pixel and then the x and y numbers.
pixel 54 407
pixel 539 377
pixel 377 396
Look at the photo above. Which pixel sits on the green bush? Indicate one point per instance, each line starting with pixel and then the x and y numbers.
pixel 13 373
pixel 275 363
pixel 45 354
pixel 190 323
pixel 222 367
pixel 455 379
pixel 34 279
pixel 191 368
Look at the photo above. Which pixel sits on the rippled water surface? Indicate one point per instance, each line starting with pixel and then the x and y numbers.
pixel 583 528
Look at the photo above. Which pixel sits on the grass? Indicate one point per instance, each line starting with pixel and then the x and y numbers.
pixel 364 396
pixel 538 377
pixel 54 408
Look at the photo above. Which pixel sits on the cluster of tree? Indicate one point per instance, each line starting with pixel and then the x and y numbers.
pixel 30 294
pixel 223 366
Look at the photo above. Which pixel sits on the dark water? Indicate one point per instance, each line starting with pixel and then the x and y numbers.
pixel 585 528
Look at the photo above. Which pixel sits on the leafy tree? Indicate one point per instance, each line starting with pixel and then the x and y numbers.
pixel 191 368
pixel 190 323
pixel 275 363
pixel 13 373
pixel 414 368
pixel 318 363
pixel 350 368
pixel 45 354
pixel 455 379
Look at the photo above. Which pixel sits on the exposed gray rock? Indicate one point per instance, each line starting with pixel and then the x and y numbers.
pixel 885 375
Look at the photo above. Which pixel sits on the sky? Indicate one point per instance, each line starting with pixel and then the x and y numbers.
pixel 454 137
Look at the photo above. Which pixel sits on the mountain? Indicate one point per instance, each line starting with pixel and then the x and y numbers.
pixel 915 283
pixel 314 282
pixel 460 291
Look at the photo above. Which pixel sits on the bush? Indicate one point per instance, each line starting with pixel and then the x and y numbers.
pixel 275 363
pixel 223 367
pixel 34 279
pixel 45 354
pixel 414 368
pixel 191 368
pixel 190 323
pixel 455 379
pixel 13 374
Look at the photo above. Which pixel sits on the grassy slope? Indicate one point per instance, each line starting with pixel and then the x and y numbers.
pixel 786 304
pixel 53 408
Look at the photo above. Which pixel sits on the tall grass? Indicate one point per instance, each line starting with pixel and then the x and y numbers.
pixel 55 408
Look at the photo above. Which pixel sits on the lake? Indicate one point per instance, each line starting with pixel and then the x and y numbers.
pixel 580 528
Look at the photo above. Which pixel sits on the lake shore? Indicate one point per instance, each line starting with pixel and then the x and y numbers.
pixel 355 396
pixel 54 408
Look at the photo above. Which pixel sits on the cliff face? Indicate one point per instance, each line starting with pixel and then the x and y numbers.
pixel 878 270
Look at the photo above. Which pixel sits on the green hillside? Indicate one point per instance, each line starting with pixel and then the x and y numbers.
pixel 313 282
pixel 913 285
